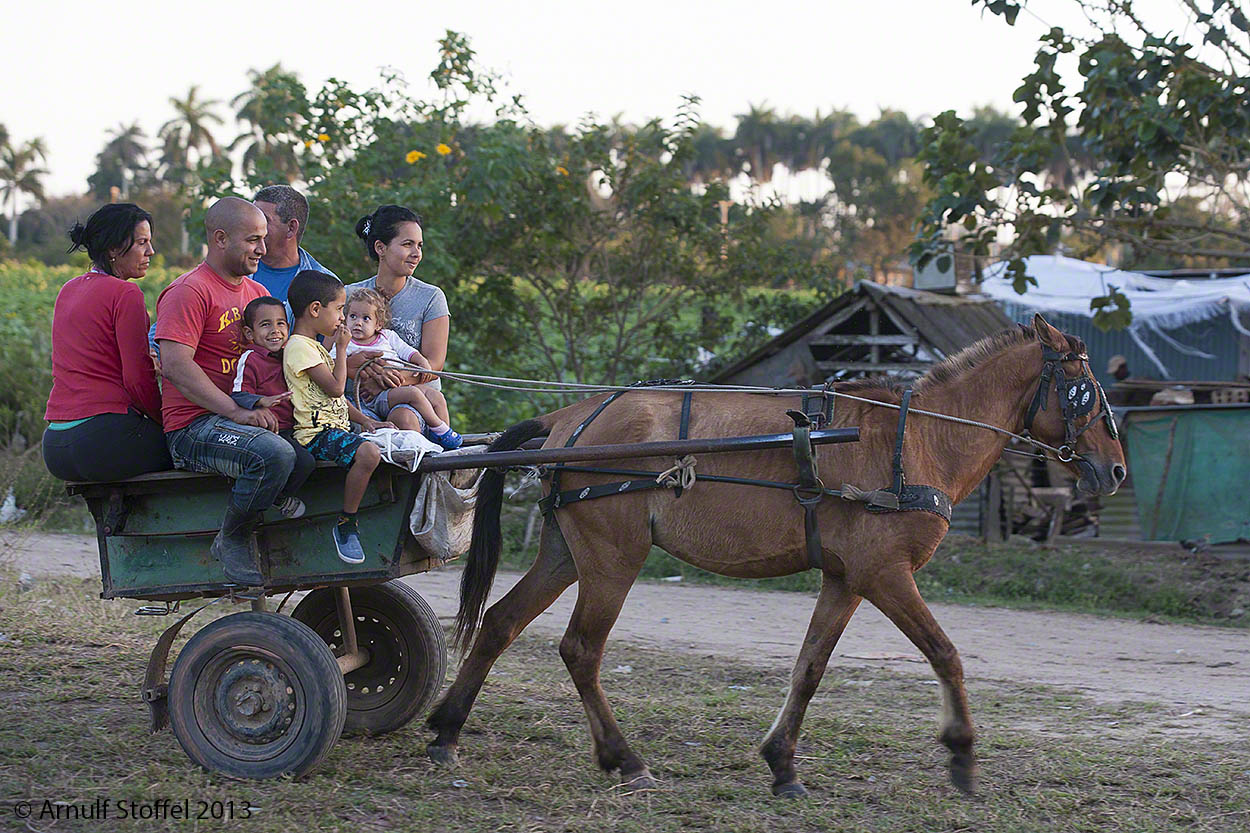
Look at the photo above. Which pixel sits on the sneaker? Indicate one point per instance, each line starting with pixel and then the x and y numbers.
pixel 449 439
pixel 347 540
pixel 290 507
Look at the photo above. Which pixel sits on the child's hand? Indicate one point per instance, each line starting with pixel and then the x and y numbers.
pixel 374 425
pixel 342 336
pixel 270 401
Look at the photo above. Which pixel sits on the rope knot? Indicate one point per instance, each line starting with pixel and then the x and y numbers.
pixel 681 474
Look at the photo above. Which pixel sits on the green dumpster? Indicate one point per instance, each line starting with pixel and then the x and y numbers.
pixel 1190 466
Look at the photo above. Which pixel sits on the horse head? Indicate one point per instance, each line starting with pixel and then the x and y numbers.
pixel 1069 410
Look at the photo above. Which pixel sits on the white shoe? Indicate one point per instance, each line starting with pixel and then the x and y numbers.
pixel 291 507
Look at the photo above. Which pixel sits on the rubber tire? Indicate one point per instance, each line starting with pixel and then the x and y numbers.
pixel 391 617
pixel 308 667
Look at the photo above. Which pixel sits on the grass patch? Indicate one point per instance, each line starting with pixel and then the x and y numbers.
pixel 1086 577
pixel 71 665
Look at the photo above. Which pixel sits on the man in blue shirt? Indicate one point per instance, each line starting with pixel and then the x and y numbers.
pixel 286 211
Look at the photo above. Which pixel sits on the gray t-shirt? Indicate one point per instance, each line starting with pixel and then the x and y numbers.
pixel 411 307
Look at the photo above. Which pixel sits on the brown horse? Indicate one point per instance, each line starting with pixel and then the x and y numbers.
pixel 752 532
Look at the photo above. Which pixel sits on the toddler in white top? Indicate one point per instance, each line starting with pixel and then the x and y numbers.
pixel 367 314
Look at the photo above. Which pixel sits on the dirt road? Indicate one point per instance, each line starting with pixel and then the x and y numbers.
pixel 1199 676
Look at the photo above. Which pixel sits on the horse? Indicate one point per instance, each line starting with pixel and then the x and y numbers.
pixel 749 532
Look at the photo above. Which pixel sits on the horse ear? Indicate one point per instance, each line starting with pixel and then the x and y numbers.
pixel 1051 337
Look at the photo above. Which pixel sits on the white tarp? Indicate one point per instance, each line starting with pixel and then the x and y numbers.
pixel 1066 285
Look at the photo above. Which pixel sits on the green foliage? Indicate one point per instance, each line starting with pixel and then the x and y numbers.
pixel 1101 161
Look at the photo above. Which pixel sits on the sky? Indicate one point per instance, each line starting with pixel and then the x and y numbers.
pixel 81 68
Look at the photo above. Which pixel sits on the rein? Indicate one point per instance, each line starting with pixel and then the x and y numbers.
pixel 1065 453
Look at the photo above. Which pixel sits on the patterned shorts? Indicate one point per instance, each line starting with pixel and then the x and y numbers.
pixel 334 445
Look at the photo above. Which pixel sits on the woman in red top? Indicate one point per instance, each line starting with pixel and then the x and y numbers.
pixel 104 411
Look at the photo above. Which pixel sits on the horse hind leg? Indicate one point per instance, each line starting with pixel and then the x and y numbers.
pixel 895 594
pixel 834 607
pixel 600 595
pixel 551 573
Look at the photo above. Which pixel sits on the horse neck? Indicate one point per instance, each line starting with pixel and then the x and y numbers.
pixel 996 391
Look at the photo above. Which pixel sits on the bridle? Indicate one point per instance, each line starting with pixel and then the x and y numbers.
pixel 1077 397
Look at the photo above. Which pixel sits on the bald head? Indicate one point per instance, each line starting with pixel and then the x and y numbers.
pixel 236 237
pixel 228 214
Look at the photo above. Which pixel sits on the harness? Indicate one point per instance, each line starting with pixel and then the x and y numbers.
pixel 808 492
pixel 1077 397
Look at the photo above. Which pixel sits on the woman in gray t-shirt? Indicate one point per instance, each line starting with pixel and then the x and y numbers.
pixel 419 314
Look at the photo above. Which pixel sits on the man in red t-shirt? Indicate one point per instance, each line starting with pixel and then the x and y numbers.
pixel 197 328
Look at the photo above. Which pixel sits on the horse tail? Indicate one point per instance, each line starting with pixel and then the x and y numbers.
pixel 482 560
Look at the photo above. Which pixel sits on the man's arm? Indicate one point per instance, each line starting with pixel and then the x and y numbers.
pixel 178 367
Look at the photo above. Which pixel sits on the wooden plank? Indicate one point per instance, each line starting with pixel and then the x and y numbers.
pixel 839 318
pixel 883 367
pixel 857 338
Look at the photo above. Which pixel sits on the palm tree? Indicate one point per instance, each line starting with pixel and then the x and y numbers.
pixel 188 131
pixel 121 163
pixel 20 174
pixel 757 139
pixel 271 109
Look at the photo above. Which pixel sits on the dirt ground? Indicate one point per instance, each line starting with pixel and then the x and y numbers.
pixel 1198 676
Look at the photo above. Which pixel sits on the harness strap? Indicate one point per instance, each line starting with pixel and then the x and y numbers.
pixel 684 430
pixel 809 491
pixel 898 442
pixel 554 498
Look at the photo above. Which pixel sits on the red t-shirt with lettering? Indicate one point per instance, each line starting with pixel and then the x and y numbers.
pixel 202 310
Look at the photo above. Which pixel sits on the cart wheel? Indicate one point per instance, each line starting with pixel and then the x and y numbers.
pixel 256 695
pixel 407 653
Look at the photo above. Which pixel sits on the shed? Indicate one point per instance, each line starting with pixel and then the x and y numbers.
pixel 871 329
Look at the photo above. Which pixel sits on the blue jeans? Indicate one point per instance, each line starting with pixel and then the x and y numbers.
pixel 258 461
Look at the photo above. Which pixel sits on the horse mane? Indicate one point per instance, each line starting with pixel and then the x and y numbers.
pixel 952 367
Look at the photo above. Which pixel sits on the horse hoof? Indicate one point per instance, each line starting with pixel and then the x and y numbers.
pixel 792 790
pixel 640 780
pixel 443 755
pixel 964 773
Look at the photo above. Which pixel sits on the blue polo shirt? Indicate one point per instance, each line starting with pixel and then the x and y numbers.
pixel 278 281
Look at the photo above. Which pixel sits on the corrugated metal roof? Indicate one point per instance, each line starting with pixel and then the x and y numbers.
pixel 1215 337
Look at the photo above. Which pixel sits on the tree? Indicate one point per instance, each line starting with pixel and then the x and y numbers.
pixel 1144 153
pixel 122 164
pixel 273 110
pixel 20 175
pixel 188 131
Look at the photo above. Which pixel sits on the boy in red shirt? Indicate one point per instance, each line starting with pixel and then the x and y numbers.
pixel 259 383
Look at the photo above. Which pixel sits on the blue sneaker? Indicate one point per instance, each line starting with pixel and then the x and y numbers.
pixel 449 439
pixel 347 540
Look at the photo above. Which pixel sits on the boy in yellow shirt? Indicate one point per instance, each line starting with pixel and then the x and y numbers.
pixel 323 416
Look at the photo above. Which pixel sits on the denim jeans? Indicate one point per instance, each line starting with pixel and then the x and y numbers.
pixel 259 461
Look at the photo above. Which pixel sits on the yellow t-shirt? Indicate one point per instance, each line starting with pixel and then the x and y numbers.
pixel 315 410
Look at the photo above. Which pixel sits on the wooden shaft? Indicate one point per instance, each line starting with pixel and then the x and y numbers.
pixel 665 448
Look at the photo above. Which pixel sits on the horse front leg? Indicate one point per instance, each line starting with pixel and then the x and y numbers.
pixel 834 607
pixel 895 594
pixel 551 573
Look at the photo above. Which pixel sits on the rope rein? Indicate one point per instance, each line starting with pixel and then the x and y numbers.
pixel 540 386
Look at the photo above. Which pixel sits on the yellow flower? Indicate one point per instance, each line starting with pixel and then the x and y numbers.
pixel 561 170
pixel 414 156
pixel 308 143
pixel 443 149
pixel 323 137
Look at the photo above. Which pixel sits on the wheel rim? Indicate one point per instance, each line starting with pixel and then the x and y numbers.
pixel 249 704
pixel 380 680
